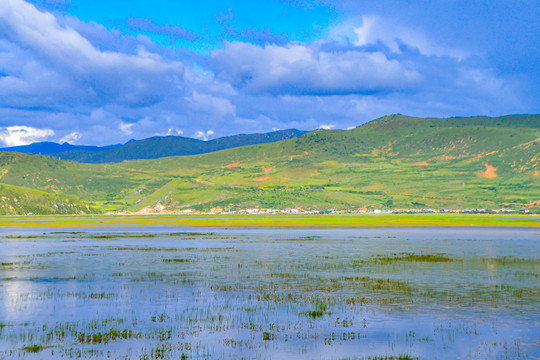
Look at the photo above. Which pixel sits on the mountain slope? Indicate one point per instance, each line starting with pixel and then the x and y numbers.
pixel 391 162
pixel 16 200
pixel 162 146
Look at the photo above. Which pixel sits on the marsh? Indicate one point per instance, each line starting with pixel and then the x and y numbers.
pixel 218 293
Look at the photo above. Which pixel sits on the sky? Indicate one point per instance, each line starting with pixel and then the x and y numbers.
pixel 103 72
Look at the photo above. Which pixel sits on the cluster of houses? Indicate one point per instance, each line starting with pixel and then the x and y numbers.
pixel 257 211
pixel 300 211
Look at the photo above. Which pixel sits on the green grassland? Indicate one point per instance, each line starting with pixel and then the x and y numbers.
pixel 323 221
pixel 392 162
pixel 17 200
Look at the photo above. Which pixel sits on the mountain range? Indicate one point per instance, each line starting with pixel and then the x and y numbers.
pixel 392 162
pixel 151 148
pixel 52 148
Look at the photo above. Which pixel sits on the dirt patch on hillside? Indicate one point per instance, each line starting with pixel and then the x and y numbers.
pixel 261 178
pixel 421 163
pixel 267 170
pixel 527 144
pixel 489 173
pixel 231 165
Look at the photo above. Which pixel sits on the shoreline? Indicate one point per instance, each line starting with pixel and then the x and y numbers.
pixel 273 221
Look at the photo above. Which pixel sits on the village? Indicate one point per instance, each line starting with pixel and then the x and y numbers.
pixel 159 209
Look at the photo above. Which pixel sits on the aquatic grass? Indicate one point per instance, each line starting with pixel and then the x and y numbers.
pixel 303 238
pixel 507 260
pixel 101 296
pixel 319 311
pixel 120 248
pixel 390 357
pixel 175 260
pixel 432 258
pixel 25 237
pixel 268 336
pixel 111 335
pixel 33 348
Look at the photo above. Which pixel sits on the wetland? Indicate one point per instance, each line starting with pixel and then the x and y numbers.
pixel 270 293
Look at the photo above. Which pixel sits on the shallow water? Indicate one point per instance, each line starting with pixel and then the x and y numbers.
pixel 152 293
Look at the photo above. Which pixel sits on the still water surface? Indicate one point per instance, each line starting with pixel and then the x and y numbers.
pixel 157 293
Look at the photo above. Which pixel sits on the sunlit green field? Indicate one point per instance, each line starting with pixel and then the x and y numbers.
pixel 330 220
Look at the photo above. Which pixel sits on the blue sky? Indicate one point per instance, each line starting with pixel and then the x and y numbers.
pixel 103 72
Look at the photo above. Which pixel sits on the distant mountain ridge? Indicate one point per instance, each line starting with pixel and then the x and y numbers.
pixel 49 148
pixel 151 148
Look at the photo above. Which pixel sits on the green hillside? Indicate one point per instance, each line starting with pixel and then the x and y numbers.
pixel 16 200
pixel 392 162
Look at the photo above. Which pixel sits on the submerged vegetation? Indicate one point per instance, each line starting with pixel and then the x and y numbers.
pixel 33 348
pixel 413 258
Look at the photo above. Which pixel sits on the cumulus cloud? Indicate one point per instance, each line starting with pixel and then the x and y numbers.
pixel 23 135
pixel 96 76
pixel 372 30
pixel 306 69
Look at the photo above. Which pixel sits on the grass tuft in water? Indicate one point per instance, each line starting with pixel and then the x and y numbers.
pixel 413 258
pixel 175 260
pixel 33 348
pixel 268 336
pixel 318 312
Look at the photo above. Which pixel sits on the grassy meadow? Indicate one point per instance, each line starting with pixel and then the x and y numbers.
pixel 311 221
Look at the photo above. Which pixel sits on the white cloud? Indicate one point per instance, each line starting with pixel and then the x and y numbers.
pixel 327 126
pixel 71 137
pixel 172 131
pixel 364 32
pixel 212 105
pixel 126 128
pixel 23 135
pixel 204 135
pixel 307 69
pixel 95 75
pixel 376 29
